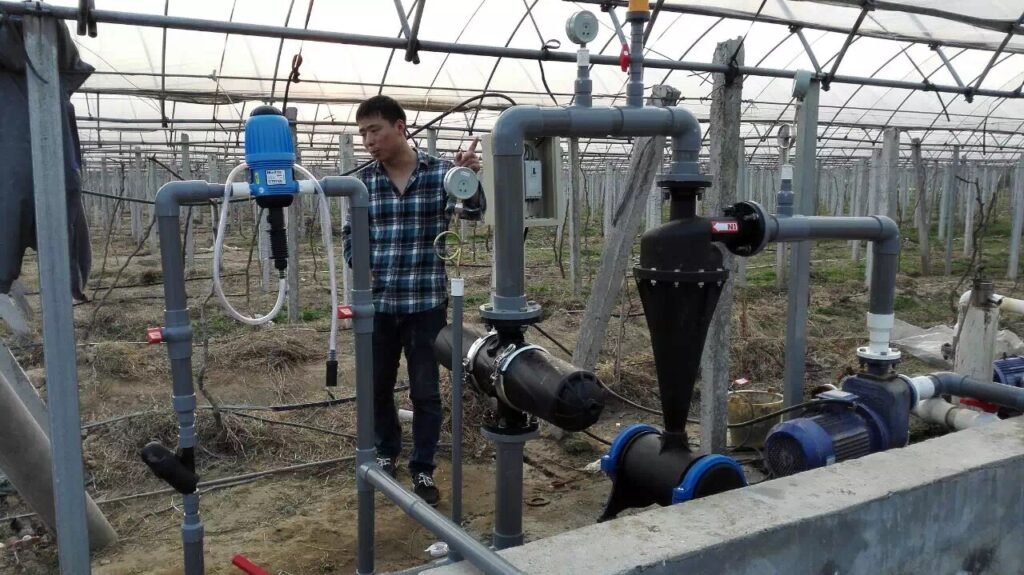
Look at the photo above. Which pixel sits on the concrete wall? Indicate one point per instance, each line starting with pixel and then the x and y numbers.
pixel 950 505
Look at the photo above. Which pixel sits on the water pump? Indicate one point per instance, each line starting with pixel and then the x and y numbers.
pixel 868 415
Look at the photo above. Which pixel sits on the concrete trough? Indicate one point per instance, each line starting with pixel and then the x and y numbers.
pixel 949 505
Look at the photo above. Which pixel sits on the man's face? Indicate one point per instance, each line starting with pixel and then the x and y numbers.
pixel 385 141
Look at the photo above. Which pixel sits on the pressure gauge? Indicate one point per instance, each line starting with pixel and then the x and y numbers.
pixel 461 183
pixel 581 28
pixel 784 138
pixel 801 83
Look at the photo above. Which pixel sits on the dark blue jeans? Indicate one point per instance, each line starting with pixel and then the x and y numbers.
pixel 414 334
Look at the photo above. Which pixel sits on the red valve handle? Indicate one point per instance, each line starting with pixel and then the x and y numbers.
pixel 345 312
pixel 247 566
pixel 154 335
pixel 624 58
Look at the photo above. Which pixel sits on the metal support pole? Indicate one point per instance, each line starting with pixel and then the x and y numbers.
pixel 799 281
pixel 49 189
pixel 508 491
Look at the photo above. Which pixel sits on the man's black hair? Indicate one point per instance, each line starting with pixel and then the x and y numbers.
pixel 384 106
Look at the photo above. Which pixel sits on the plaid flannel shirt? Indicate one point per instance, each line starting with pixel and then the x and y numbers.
pixel 408 276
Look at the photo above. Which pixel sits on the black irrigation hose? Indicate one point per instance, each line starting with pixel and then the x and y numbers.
pixel 596 438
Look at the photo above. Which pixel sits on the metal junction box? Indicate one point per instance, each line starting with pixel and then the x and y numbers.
pixel 542 181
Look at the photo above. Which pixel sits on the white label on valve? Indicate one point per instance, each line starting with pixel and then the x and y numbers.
pixel 276 178
pixel 458 287
pixel 725 227
pixel 583 57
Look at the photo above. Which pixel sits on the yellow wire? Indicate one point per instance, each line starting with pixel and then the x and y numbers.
pixel 454 256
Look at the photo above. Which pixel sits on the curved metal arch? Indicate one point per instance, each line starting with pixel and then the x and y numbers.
pixel 444 62
pixel 908 96
pixel 790 103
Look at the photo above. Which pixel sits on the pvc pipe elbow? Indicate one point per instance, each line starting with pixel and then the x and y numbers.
pixel 347 186
pixel 511 128
pixel 686 135
pixel 172 195
pixel 888 241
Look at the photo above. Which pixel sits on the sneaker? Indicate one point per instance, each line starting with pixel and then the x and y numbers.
pixel 388 465
pixel 423 485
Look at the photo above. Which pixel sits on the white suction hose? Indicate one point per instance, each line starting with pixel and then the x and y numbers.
pixel 328 237
pixel 218 248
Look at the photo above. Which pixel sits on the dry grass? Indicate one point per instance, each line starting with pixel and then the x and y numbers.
pixel 273 350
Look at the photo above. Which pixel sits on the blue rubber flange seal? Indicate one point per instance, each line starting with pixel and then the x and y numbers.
pixel 693 475
pixel 610 462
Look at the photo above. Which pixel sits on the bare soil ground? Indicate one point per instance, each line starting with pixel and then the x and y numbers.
pixel 304 522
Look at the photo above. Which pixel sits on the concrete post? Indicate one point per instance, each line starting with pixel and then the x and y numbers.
pixel 888 201
pixel 876 203
pixel 135 192
pixel 726 154
pixel 975 341
pixel 1018 220
pixel 645 161
pixel 951 203
pixel 923 221
pixel 860 199
pixel 971 190
pixel 294 216
pixel 575 278
pixel 190 238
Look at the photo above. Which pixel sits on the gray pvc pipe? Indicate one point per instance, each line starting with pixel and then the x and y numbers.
pixel 635 88
pixel 949 383
pixel 456 413
pixel 520 122
pixel 508 512
pixel 178 335
pixel 880 230
pixel 177 332
pixel 479 555
pixel 362 327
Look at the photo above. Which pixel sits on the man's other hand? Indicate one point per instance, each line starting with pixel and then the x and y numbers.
pixel 469 158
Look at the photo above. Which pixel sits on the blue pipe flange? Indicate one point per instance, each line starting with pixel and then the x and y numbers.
pixel 610 461
pixel 691 479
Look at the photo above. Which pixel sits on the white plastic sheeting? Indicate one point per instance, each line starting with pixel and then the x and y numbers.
pixel 218 78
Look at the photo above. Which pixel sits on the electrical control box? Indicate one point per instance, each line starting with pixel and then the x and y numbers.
pixel 544 195
pixel 533 179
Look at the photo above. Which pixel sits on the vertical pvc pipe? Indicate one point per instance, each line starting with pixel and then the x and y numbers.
pixel 47 142
pixel 799 287
pixel 458 291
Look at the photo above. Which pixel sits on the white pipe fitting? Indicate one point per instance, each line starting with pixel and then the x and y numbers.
pixel 938 410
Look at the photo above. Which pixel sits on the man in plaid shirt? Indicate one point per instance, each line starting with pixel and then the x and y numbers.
pixel 408 209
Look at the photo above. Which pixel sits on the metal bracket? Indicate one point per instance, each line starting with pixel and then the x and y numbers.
pixel 470 359
pixel 86 18
pixel 501 363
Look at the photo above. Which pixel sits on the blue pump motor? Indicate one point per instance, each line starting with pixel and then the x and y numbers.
pixel 270 155
pixel 643 472
pixel 1009 371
